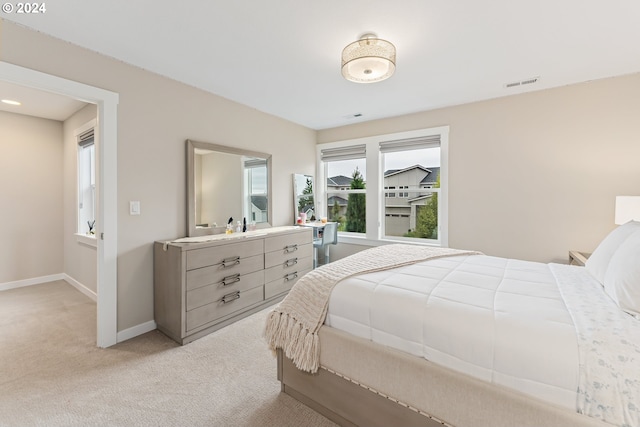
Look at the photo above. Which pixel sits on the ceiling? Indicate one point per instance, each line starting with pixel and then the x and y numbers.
pixel 38 103
pixel 283 57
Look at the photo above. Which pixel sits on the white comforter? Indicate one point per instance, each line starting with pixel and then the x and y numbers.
pixel 501 320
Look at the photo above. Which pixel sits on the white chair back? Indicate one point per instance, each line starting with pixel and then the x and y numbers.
pixel 330 234
pixel 329 237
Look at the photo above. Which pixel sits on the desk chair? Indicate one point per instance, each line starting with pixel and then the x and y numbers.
pixel 329 237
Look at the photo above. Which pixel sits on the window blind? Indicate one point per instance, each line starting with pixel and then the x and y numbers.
pixel 85 139
pixel 432 141
pixel 343 153
pixel 255 163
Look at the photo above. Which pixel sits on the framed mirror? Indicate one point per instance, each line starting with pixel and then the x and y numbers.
pixel 226 182
pixel 303 196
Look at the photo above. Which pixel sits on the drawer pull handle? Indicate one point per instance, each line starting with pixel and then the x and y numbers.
pixel 231 297
pixel 290 248
pixel 290 262
pixel 291 276
pixel 230 280
pixel 230 262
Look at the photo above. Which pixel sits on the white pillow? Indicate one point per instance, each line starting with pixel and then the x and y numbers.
pixel 599 260
pixel 622 280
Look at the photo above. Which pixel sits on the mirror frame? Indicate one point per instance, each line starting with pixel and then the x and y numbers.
pixel 192 145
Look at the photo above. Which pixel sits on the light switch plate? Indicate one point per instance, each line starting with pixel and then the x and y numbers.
pixel 134 208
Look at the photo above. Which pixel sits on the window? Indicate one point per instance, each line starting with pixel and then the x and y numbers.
pixel 390 194
pixel 86 182
pixel 405 186
pixel 411 165
pixel 255 178
pixel 345 193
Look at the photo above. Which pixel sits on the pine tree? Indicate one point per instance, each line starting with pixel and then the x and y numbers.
pixel 356 205
pixel 335 211
pixel 304 203
pixel 427 220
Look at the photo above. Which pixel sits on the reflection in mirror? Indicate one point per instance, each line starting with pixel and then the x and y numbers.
pixel 255 178
pixel 303 198
pixel 223 183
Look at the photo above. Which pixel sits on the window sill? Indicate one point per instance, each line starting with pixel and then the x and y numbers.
pixel 363 241
pixel 87 240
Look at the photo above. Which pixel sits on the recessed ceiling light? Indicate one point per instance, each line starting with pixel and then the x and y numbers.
pixel 11 102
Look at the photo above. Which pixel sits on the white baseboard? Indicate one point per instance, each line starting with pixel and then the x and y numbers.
pixel 79 286
pixel 31 282
pixel 134 331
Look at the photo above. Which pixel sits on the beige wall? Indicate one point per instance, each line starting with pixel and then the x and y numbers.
pixel 533 175
pixel 221 176
pixel 155 117
pixel 31 192
pixel 80 262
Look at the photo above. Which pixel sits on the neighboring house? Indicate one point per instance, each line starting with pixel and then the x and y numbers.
pixel 401 205
pixel 341 201
pixel 259 207
pixel 339 182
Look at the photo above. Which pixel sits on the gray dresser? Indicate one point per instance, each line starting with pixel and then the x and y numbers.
pixel 210 282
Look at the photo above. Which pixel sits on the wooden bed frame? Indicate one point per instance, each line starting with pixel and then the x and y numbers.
pixel 344 402
pixel 358 378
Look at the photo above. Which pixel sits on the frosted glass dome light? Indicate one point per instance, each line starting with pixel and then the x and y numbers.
pixel 368 60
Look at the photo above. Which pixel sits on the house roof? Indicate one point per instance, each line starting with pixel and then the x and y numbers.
pixel 339 181
pixel 392 172
pixel 333 199
pixel 432 177
pixel 259 202
pixel 306 207
pixel 424 196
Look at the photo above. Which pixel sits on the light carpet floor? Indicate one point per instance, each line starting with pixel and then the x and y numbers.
pixel 52 373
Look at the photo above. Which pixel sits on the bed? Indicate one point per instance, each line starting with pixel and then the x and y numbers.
pixel 408 335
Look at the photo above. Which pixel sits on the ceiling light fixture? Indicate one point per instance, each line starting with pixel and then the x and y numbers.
pixel 11 102
pixel 368 60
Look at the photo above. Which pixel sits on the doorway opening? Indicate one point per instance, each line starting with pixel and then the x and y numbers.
pixel 106 235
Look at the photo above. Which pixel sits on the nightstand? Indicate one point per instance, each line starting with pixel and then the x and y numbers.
pixel 578 258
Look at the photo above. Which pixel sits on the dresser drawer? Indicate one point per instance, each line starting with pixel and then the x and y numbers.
pixel 284 282
pixel 288 241
pixel 217 273
pixel 213 255
pixel 292 265
pixel 212 293
pixel 210 312
pixel 281 256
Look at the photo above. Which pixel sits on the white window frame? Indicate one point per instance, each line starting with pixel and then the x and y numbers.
pixel 82 237
pixel 375 191
pixel 248 166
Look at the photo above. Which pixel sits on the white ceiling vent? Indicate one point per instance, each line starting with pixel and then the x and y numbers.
pixel 529 81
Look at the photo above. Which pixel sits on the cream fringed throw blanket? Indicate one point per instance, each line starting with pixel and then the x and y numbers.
pixel 293 325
